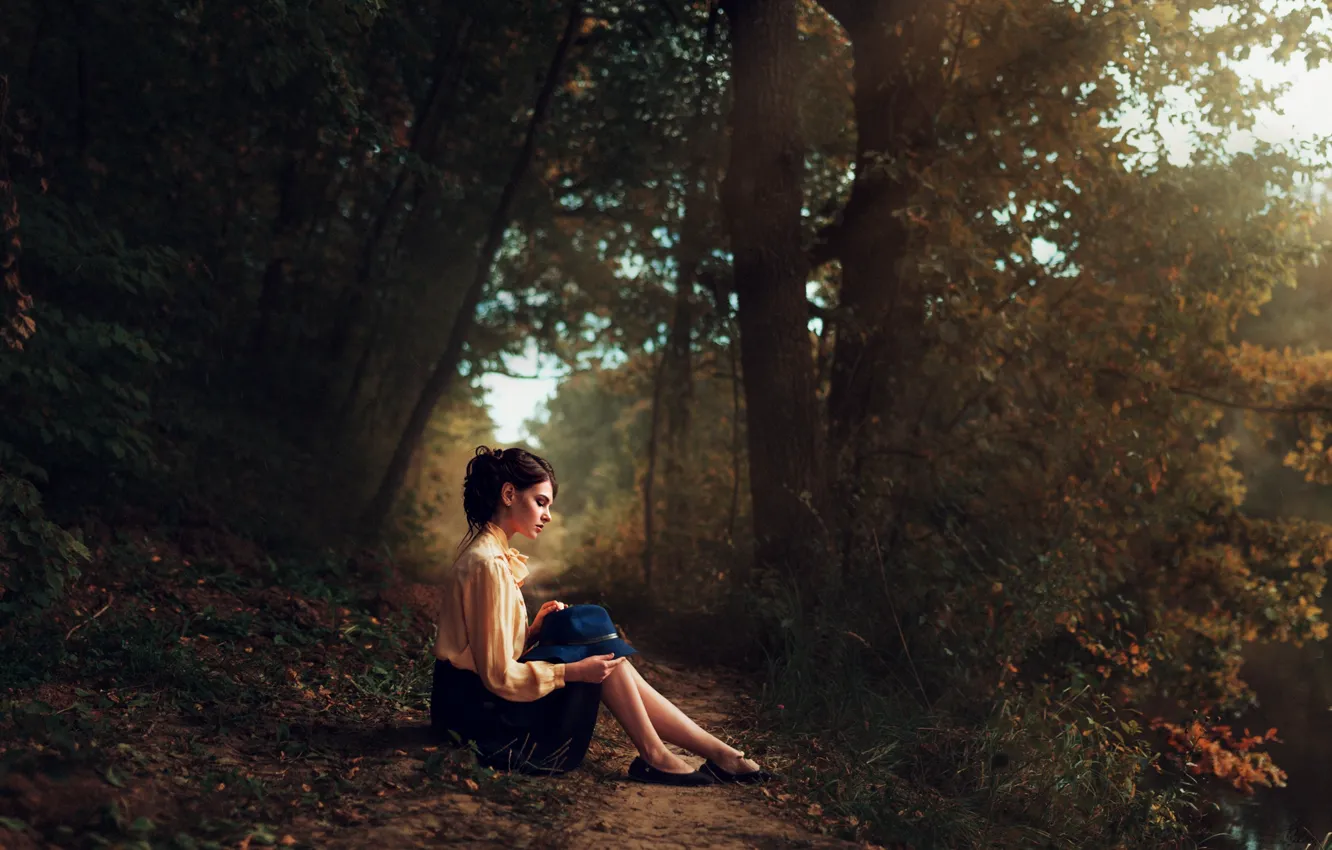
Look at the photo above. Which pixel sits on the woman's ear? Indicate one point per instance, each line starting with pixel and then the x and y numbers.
pixel 507 493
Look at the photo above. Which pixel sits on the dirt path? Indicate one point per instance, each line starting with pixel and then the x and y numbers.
pixel 648 817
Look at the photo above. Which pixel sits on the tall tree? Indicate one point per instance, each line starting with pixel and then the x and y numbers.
pixel 693 242
pixel 763 198
pixel 897 85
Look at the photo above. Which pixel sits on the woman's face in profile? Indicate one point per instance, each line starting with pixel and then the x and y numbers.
pixel 530 510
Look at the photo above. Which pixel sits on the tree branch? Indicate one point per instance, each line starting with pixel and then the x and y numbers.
pixel 957 45
pixel 505 372
pixel 586 211
pixel 827 244
pixel 1295 410
pixel 109 599
pixel 1232 404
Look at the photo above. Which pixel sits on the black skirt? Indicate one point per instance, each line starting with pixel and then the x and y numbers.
pixel 548 735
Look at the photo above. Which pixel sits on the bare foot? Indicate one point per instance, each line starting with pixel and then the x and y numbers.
pixel 668 762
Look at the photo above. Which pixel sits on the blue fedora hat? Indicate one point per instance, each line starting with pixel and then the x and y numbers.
pixel 575 633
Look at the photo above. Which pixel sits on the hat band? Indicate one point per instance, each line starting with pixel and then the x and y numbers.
pixel 610 636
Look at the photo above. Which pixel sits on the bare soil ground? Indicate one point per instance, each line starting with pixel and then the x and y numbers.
pixel 647 817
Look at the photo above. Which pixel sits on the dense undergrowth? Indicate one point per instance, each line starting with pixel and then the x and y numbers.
pixel 878 745
pixel 1035 770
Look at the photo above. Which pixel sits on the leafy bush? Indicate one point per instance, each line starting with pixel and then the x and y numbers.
pixel 1063 769
pixel 37 556
pixel 76 394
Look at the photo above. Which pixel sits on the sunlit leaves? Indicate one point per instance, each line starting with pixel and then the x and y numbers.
pixel 1215 750
pixel 1060 427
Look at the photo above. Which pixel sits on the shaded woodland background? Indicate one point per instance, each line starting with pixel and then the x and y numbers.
pixel 895 340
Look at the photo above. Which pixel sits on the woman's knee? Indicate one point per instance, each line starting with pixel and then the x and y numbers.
pixel 616 674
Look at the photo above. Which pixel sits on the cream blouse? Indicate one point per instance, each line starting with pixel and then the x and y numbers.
pixel 483 621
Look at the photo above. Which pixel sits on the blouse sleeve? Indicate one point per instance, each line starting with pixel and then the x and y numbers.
pixel 493 626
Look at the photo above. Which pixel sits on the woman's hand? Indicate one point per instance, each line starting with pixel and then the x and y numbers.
pixel 594 669
pixel 535 629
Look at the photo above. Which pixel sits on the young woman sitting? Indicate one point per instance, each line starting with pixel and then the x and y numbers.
pixel 537 716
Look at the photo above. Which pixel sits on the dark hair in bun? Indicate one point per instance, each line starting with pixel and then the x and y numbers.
pixel 489 471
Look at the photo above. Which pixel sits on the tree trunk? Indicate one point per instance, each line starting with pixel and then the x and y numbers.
pixel 271 296
pixel 446 367
pixel 274 285
pixel 897 78
pixel 695 240
pixel 734 509
pixel 650 476
pixel 880 309
pixel 33 44
pixel 763 199
pixel 15 323
pixel 677 381
pixel 362 370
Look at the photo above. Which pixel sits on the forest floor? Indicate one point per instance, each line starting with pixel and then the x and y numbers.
pixel 202 694
pixel 632 815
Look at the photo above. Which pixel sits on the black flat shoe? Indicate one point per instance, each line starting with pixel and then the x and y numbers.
pixel 644 772
pixel 753 777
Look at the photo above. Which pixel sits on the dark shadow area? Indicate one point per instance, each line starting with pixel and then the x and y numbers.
pixel 380 741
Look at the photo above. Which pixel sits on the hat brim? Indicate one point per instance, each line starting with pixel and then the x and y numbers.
pixel 565 654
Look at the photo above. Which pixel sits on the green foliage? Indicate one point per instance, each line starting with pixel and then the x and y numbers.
pixel 37 556
pixel 241 231
pixel 78 390
pixel 594 432
pixel 1064 769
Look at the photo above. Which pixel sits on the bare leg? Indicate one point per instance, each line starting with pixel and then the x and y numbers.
pixel 675 727
pixel 621 695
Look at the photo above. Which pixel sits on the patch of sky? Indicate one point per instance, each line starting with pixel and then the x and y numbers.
pixel 513 400
pixel 631 266
pixel 817 299
pixel 1297 123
